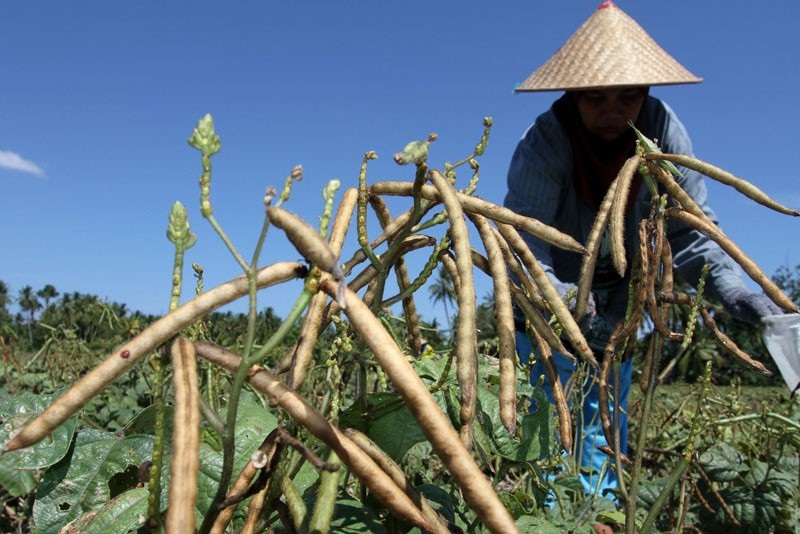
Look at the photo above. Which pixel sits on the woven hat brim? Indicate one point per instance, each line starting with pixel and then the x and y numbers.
pixel 609 50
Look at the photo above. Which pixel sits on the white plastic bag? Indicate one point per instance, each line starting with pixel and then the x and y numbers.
pixel 782 337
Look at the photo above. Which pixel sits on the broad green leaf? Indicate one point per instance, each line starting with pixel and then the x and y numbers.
pixel 536 428
pixel 351 516
pixel 518 503
pixel 80 482
pixel 14 414
pixel 253 424
pixel 756 510
pixel 439 500
pixel 125 513
pixel 537 525
pixel 772 478
pixel 145 421
pixel 16 481
pixel 723 463
pixel 388 423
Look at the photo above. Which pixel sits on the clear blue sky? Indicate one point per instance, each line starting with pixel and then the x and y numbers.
pixel 98 98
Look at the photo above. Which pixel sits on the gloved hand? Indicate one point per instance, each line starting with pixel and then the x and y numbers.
pixel 563 289
pixel 597 332
pixel 748 306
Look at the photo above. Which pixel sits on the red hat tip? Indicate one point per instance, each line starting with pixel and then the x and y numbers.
pixel 607 3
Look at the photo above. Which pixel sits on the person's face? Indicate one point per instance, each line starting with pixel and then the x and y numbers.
pixel 606 112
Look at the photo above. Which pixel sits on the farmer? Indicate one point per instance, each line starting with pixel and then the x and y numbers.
pixel 561 171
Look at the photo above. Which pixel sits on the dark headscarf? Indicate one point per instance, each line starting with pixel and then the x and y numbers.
pixel 596 162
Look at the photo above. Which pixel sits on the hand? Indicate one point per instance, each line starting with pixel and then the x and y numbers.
pixel 597 332
pixel 749 306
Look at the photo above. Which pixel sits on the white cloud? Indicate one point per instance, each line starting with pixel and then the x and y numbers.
pixel 13 161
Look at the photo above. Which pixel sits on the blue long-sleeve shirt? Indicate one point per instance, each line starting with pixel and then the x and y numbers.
pixel 540 186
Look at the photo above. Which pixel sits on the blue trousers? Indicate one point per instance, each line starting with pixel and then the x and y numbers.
pixel 588 428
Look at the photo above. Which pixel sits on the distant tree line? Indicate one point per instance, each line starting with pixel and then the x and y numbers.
pixel 48 316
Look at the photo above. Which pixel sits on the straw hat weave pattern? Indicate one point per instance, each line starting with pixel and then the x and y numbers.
pixel 609 50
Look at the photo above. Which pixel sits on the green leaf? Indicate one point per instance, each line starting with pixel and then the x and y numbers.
pixel 612 517
pixel 723 463
pixel 517 503
pixel 351 516
pixel 537 525
pixel 145 421
pixel 125 513
pixel 14 414
pixel 757 511
pixel 80 482
pixel 388 423
pixel 439 500
pixel 253 423
pixel 16 481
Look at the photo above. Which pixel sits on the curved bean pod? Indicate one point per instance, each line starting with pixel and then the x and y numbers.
pixel 131 352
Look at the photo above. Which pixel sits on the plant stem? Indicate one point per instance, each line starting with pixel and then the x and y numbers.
pixel 641 439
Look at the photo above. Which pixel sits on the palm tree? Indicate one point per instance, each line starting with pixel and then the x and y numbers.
pixel 442 290
pixel 29 303
pixel 47 293
pixel 5 298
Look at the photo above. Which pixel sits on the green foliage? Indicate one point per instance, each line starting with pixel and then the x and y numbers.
pixel 80 483
pixel 745 463
pixel 722 464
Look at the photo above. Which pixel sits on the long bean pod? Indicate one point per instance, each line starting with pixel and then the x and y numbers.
pixel 185 465
pixel 466 335
pixel 593 251
pixel 129 353
pixel 504 314
pixel 618 209
pixel 551 295
pixel 301 355
pixel 476 489
pixel 299 409
pixel 723 176
pixel 488 210
pixel 748 265
pixel 399 477
pixel 729 345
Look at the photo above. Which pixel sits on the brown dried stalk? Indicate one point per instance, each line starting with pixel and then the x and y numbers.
pixel 477 491
pixel 562 407
pixel 604 408
pixel 128 354
pixel 241 488
pixel 403 282
pixel 488 210
pixel 466 337
pixel 647 366
pixel 655 259
pixel 749 266
pixel 620 202
pixel 185 439
pixel 399 477
pixel 731 347
pixel 554 300
pixel 717 495
pixel 298 408
pixel 504 315
pixel 741 185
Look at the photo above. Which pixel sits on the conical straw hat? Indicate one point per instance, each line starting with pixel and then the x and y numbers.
pixel 610 49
